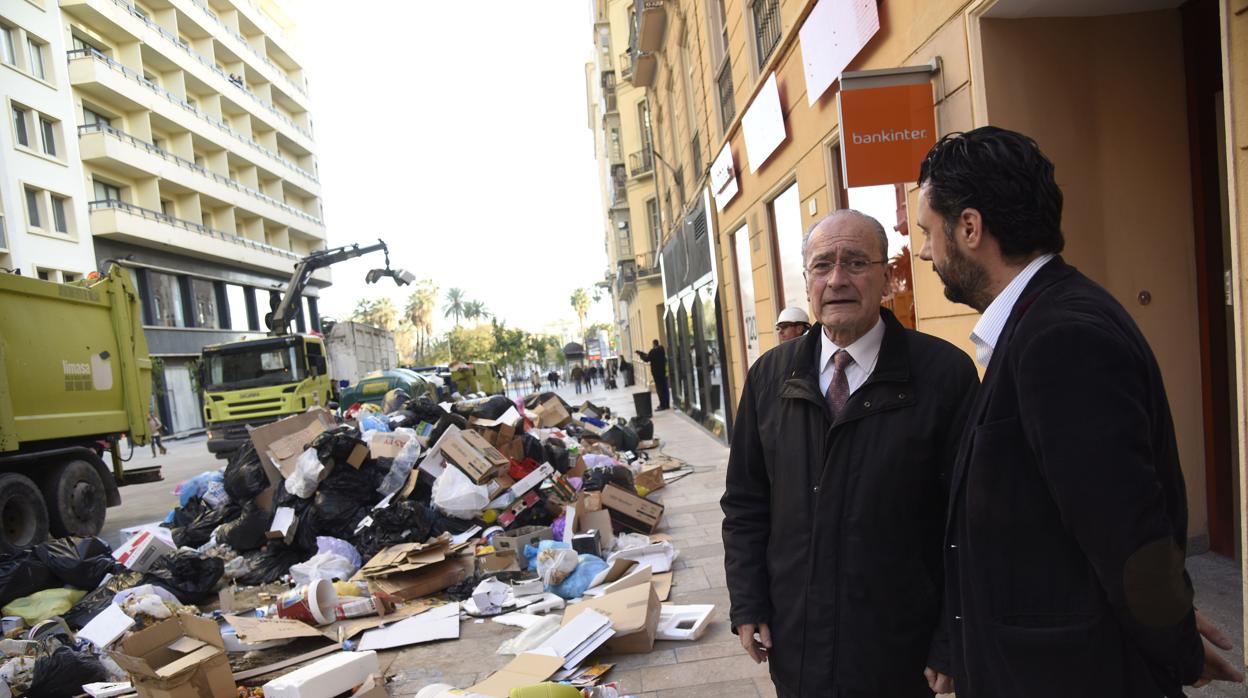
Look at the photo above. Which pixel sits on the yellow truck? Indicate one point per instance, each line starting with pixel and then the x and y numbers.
pixel 75 376
pixel 259 380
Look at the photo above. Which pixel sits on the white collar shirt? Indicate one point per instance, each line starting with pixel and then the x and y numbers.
pixel 988 330
pixel 865 352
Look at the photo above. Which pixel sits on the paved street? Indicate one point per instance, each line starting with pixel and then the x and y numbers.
pixel 150 501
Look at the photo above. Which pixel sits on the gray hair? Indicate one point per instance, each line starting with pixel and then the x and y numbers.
pixel 875 226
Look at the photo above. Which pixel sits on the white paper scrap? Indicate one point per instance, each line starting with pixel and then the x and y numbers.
pixel 441 623
pixel 106 627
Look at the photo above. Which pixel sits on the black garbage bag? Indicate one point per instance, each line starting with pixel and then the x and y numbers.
pixel 403 419
pixel 493 407
pixel 185 514
pixel 532 401
pixel 246 532
pixel 63 673
pixel 443 422
pixel 424 409
pixel 334 447
pixel 198 531
pixel 598 478
pixel 78 562
pixel 270 563
pixel 337 509
pixel 555 453
pixel 99 598
pixel 283 498
pixel 621 437
pixel 22 574
pixel 402 522
pixel 244 476
pixel 190 576
pixel 422 493
pixel 643 426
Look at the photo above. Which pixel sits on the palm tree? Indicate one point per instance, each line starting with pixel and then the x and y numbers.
pixel 419 312
pixel 455 304
pixel 475 310
pixel 580 303
pixel 378 313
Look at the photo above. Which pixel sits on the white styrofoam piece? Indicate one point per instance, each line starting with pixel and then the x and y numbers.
pixel 326 678
pixel 440 623
pixel 106 627
pixel 687 622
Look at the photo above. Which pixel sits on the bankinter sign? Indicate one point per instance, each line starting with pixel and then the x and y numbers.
pixel 886 132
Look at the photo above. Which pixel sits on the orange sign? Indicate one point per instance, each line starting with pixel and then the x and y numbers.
pixel 885 133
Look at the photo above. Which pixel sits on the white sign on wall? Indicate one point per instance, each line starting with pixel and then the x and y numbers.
pixel 834 32
pixel 724 178
pixel 745 293
pixel 763 124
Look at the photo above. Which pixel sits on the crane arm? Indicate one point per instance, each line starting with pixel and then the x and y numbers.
pixel 279 319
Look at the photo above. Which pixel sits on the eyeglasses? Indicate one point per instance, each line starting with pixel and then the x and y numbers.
pixel 853 266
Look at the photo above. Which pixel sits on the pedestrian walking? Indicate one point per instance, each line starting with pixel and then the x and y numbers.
pixel 553 377
pixel 834 495
pixel 1068 514
pixel 536 379
pixel 657 358
pixel 578 374
pixel 154 426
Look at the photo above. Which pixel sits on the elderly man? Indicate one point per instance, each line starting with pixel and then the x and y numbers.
pixel 835 492
pixel 792 324
pixel 1068 516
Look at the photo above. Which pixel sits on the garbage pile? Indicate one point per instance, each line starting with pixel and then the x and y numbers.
pixel 377 530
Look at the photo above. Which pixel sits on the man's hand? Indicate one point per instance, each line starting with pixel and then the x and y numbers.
pixel 938 682
pixel 757 647
pixel 1216 667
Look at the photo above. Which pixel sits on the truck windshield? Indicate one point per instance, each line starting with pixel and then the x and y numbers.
pixel 254 366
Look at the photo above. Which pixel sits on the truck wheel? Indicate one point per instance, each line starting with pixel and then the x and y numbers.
pixel 76 499
pixel 23 517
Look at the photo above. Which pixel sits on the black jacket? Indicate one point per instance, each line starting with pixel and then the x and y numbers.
pixel 657 358
pixel 1068 520
pixel 832 532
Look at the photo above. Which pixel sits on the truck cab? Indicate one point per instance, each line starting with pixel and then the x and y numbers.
pixel 256 381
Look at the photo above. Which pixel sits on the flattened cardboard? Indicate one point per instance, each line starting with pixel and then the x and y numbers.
pixel 630 511
pixel 349 628
pixel 386 445
pixel 265 629
pixel 358 456
pixel 430 579
pixel 663 585
pixel 525 670
pixel 634 612
pixel 406 557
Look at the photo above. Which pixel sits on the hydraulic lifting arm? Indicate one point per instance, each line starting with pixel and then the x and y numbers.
pixel 279 320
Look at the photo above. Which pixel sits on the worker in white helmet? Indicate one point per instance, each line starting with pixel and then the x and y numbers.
pixel 792 323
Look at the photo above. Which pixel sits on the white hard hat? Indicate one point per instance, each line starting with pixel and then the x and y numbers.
pixel 791 314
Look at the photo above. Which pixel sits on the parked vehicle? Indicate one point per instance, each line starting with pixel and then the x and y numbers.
pixel 373 387
pixel 75 376
pixel 356 350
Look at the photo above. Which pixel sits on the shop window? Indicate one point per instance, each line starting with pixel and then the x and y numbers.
pixel 714 373
pixel 167 301
pixel 204 300
pixel 785 213
pixel 236 301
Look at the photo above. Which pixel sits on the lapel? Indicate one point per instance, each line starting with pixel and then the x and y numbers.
pixel 1051 273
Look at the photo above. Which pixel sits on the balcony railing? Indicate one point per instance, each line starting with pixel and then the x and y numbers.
pixel 195 167
pixel 640 163
pixel 647 264
pixel 148 214
pixel 177 41
pixel 626 65
pixel 221 125
pixel 251 49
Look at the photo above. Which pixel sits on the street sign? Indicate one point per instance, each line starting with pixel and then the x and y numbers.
pixel 886 132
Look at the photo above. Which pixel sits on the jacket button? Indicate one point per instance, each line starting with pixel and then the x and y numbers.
pixel 953 546
pixel 957 617
pixel 901 396
pixel 815 489
pixel 866 403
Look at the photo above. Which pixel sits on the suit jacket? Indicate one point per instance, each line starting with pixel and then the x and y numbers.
pixel 1068 517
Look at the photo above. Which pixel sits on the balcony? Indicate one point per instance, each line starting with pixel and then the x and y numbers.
pixel 625 279
pixel 92 71
pixel 651 27
pixel 145 227
pixel 135 157
pixel 626 66
pixel 641 163
pixel 619 187
pixel 242 41
pixel 647 265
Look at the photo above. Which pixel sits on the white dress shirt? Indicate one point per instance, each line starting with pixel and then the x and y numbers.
pixel 864 352
pixel 988 330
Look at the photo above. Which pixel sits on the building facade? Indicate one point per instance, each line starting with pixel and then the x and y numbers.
pixel 188 158
pixel 1150 146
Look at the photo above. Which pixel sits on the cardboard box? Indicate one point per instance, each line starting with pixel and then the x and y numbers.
pixel 525 535
pixel 462 452
pixel 142 550
pixel 427 580
pixel 386 445
pixel 181 657
pixel 525 670
pixel 634 612
pixel 651 477
pixel 630 511
pixel 307 426
pixel 552 414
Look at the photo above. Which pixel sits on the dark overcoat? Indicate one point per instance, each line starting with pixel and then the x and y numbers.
pixel 832 531
pixel 1068 518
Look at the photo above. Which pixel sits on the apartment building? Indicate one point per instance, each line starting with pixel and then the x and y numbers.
pixel 197 164
pixel 1150 146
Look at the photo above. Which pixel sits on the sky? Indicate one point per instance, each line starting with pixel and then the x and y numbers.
pixel 457 132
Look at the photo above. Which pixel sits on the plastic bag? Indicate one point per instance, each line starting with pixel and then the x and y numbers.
pixel 335 446
pixel 215 496
pixel 372 422
pixel 327 566
pixel 327 544
pixel 22 575
pixel 622 437
pixel 190 576
pixel 555 561
pixel 269 564
pixel 643 426
pixel 532 637
pixel 199 531
pixel 63 673
pixel 575 584
pixel 247 532
pixel 195 486
pixel 394 399
pixel 457 496
pixel 401 522
pixel 79 562
pixel 90 605
pixel 401 468
pixel 302 482
pixel 244 476
pixel 42 605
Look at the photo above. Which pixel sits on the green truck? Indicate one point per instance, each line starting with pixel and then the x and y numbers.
pixel 75 376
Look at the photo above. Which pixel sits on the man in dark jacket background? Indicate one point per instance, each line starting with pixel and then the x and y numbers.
pixel 657 358
pixel 836 485
pixel 1068 516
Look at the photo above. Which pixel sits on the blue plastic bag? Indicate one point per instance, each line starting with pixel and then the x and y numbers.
pixel 373 422
pixel 197 485
pixel 574 586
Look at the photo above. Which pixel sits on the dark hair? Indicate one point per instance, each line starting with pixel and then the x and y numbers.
pixel 1004 176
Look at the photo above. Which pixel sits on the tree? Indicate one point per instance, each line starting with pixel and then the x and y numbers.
pixel 591 332
pixel 419 311
pixel 376 312
pixel 470 343
pixel 455 304
pixel 580 303
pixel 511 346
pixel 900 266
pixel 475 310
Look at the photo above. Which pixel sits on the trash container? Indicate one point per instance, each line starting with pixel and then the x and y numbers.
pixel 641 402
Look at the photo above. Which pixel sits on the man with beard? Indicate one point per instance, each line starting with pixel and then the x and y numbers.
pixel 834 500
pixel 1068 517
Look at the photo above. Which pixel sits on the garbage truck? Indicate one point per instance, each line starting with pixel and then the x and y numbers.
pixel 75 376
pixel 254 381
